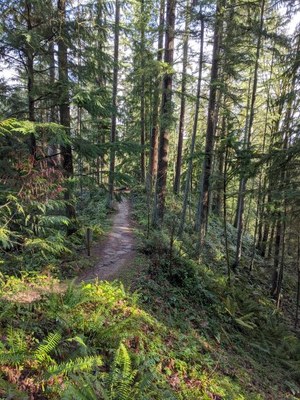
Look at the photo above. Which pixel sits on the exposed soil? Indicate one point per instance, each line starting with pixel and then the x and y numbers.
pixel 116 250
pixel 32 292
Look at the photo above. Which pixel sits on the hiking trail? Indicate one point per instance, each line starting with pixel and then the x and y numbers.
pixel 111 254
pixel 117 248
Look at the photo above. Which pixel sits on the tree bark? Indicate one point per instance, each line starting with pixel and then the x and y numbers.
pixel 218 200
pixel 113 132
pixel 54 159
pixel 282 201
pixel 279 253
pixel 225 214
pixel 194 133
pixel 166 119
pixel 202 220
pixel 243 182
pixel 64 111
pixel 53 110
pixel 30 77
pixel 182 100
pixel 154 134
pixel 142 109
pixel 298 283
pixel 271 239
pixel 225 76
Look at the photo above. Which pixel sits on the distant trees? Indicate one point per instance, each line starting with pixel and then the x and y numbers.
pixel 113 132
pixel 166 117
pixel 26 34
pixel 188 177
pixel 39 42
pixel 182 99
pixel 64 106
pixel 156 99
pixel 212 116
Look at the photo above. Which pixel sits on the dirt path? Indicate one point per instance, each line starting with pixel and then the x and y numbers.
pixel 116 250
pixel 112 254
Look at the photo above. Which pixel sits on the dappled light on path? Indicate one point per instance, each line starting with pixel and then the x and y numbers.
pixel 116 250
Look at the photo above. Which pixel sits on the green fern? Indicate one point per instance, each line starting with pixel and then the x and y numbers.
pixel 80 364
pixel 51 245
pixel 41 354
pixel 8 125
pixel 5 238
pixel 122 376
pixel 74 297
pixel 85 387
pixel 16 350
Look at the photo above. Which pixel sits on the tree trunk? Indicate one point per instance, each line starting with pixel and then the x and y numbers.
pixel 103 125
pixel 284 177
pixel 271 240
pixel 182 100
pixel 225 214
pixel 261 216
pixel 113 131
pixel 53 110
pixel 30 78
pixel 54 157
pixel 64 110
pixel 202 220
pixel 166 119
pixel 225 77
pixel 279 252
pixel 218 206
pixel 243 183
pixel 194 133
pixel 154 134
pixel 257 243
pixel 142 109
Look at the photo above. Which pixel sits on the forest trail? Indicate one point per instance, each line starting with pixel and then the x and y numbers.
pixel 116 250
pixel 113 253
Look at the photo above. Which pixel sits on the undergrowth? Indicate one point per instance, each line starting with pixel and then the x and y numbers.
pixel 49 250
pixel 248 341
pixel 90 342
pixel 183 333
pixel 97 342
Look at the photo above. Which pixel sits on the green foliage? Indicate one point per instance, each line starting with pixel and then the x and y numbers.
pixel 235 328
pixel 78 365
pixel 31 207
pixel 80 349
pixel 122 376
pixel 16 351
pixel 50 343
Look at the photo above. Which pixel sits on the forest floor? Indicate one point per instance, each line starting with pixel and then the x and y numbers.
pixel 178 320
pixel 116 250
pixel 110 256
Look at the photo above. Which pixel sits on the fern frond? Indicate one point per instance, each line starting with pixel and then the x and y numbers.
pixel 16 352
pixel 5 241
pixel 14 359
pixel 74 297
pixel 46 347
pixel 16 338
pixel 52 245
pixel 8 125
pixel 85 387
pixel 80 364
pixel 122 375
